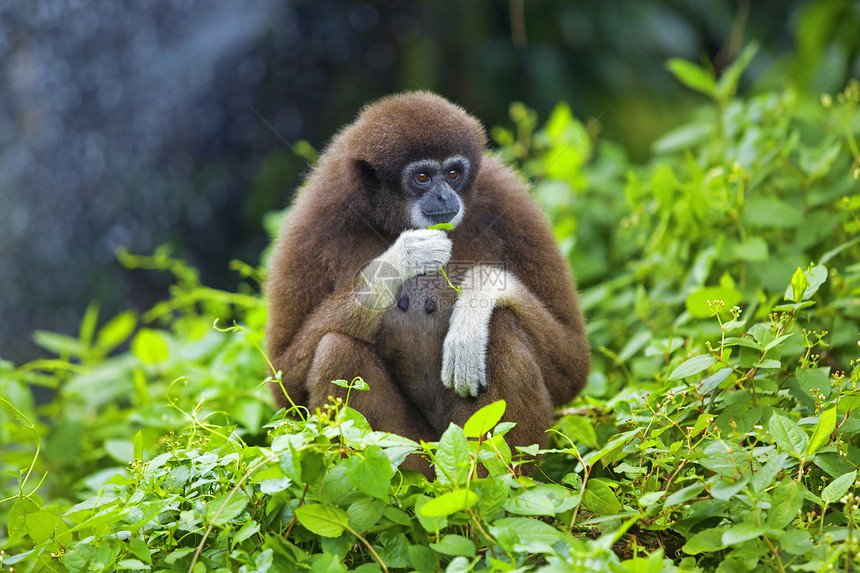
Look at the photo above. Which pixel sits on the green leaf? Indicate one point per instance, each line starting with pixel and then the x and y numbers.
pixel 44 526
pixel 527 503
pixel 728 82
pixel 786 501
pixel 178 554
pixel 422 558
pixel 441 226
pixel 725 459
pixel 726 489
pixel 448 503
pixel 697 301
pixel 453 544
pixel 580 429
pixel 663 185
pixel 793 307
pixel 137 443
pixel 530 530
pixel 693 76
pixel 59 344
pixel 365 513
pixel 796 541
pixel 356 383
pixel 683 495
pixel 150 347
pixel 250 528
pixel 116 331
pixel 121 451
pixel 452 457
pixel 545 499
pixel 531 450
pixel 789 437
pixel 816 276
pixel 742 532
pixel 570 146
pixel 599 498
pixel 692 366
pixel 805 284
pixel 753 249
pixel 773 213
pixel 398 516
pixel 17 519
pixel 371 473
pixel 88 324
pixel 817 162
pixel 683 137
pixel 651 498
pixel 484 420
pixel 764 477
pixel 225 507
pixel 132 564
pixel 459 565
pixel 712 382
pixel 431 524
pixel 778 341
pixel 823 429
pixel 838 487
pixel 797 286
pixel 747 342
pixel 324 520
pixel 706 541
pixel 359 421
pixel 849 402
pixel 139 549
pixel 833 464
pixel 814 382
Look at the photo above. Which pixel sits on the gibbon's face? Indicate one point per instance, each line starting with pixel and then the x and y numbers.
pixel 434 188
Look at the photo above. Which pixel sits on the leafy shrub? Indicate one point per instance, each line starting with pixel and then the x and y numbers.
pixel 718 430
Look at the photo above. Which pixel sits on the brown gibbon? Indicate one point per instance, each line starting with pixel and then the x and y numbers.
pixel 355 287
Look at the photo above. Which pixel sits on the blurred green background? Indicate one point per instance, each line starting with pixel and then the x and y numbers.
pixel 166 122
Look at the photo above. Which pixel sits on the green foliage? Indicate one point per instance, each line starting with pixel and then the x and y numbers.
pixel 719 430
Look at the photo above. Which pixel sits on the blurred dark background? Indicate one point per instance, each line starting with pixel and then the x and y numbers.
pixel 161 122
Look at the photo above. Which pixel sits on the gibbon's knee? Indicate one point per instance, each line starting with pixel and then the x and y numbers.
pixel 338 357
pixel 386 409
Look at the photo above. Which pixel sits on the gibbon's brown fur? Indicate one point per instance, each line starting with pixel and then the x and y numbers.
pixel 349 212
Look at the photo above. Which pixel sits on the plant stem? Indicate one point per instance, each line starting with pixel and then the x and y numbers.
pixel 215 517
pixel 369 548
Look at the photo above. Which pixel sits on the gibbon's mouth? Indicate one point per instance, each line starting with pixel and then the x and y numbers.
pixel 441 216
pixel 420 220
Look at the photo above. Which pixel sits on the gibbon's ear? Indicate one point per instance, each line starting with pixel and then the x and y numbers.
pixel 366 174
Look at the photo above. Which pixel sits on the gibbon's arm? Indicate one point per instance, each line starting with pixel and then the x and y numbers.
pixel 561 348
pixel 535 286
pixel 354 311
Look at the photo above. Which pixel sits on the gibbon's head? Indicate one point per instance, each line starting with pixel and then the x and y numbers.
pixel 415 155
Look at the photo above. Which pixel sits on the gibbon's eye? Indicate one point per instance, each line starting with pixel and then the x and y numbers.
pixel 422 178
pixel 453 174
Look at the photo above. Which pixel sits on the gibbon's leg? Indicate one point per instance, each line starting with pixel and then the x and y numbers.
pixel 514 375
pixel 339 357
